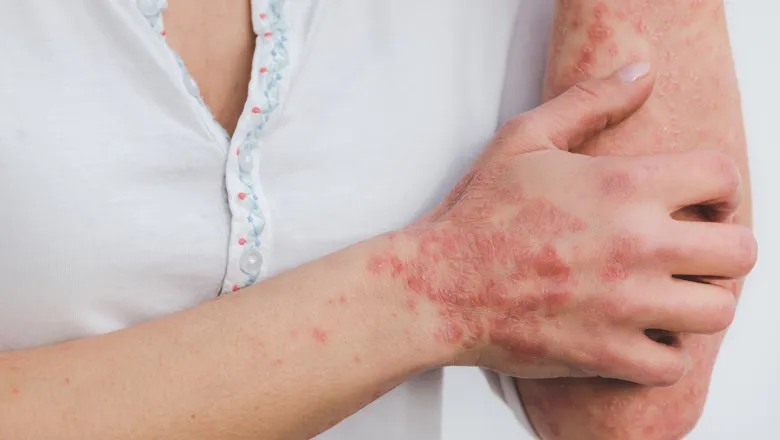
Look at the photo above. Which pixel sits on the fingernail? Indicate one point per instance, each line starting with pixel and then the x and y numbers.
pixel 633 72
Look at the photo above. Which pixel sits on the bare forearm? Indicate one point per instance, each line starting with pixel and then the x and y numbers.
pixel 282 360
pixel 695 105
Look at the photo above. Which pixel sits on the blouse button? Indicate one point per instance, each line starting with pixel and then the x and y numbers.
pixel 245 161
pixel 150 8
pixel 251 262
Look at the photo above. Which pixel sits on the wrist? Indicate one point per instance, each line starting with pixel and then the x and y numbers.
pixel 402 272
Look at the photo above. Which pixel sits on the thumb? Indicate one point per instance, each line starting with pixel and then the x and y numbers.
pixel 587 108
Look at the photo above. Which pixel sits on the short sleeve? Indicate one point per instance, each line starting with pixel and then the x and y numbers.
pixel 504 387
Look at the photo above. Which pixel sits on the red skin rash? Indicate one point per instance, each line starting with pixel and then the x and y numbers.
pixel 618 185
pixel 504 284
pixel 624 253
pixel 695 104
pixel 598 49
pixel 451 333
pixel 599 36
pixel 613 273
pixel 319 335
pixel 600 26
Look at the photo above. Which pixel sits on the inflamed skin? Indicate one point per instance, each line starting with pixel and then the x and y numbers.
pixel 695 106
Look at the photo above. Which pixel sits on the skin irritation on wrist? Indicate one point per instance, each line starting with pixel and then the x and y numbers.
pixel 540 283
pixel 507 284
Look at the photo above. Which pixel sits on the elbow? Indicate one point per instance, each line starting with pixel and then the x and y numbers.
pixel 581 411
pixel 665 427
pixel 680 425
pixel 606 427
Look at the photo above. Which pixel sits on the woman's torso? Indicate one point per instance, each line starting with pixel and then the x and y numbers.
pixel 123 200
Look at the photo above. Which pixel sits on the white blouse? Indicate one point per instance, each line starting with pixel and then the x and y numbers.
pixel 123 200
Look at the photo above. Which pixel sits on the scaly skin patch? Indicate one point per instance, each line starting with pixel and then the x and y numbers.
pixel 492 266
pixel 695 104
pixel 319 335
pixel 592 38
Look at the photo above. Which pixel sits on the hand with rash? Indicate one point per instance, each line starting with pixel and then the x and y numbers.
pixel 543 263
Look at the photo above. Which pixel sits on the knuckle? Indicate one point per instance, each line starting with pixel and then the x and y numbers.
pixel 628 257
pixel 747 251
pixel 514 125
pixel 621 255
pixel 624 305
pixel 724 168
pixel 666 372
pixel 601 356
pixel 517 127
pixel 520 134
pixel 723 314
pixel 639 242
pixel 665 249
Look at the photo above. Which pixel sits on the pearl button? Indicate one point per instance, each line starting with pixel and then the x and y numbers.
pixel 251 262
pixel 190 85
pixel 150 8
pixel 245 161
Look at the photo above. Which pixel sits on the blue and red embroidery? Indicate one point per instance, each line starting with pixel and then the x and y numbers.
pixel 271 59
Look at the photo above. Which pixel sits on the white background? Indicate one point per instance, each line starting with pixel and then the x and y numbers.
pixel 745 396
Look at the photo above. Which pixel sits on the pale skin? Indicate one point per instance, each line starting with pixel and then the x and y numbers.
pixel 512 263
pixel 695 106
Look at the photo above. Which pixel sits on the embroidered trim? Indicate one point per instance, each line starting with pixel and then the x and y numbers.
pixel 153 10
pixel 269 65
pixel 271 58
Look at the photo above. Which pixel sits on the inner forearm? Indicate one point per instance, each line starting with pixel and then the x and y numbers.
pixel 282 360
pixel 695 105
